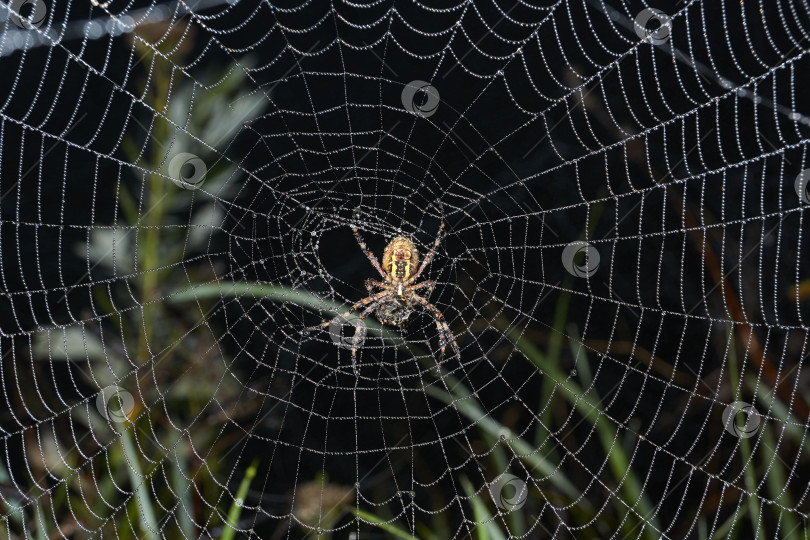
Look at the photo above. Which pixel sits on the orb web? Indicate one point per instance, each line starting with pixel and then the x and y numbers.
pixel 623 188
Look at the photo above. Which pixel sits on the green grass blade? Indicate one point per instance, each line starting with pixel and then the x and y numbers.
pixel 276 293
pixel 387 526
pixel 280 293
pixel 470 408
pixel 237 505
pixel 728 530
pixel 589 406
pixel 181 484
pixel 554 353
pixel 149 526
pixel 425 533
pixel 777 484
pixel 749 474
pixel 793 427
pixel 40 525
pixel 486 527
pixel 15 512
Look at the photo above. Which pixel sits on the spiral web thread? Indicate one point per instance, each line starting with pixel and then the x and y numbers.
pixel 161 376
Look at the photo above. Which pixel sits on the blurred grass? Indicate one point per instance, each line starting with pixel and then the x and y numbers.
pixel 232 524
pixel 387 526
pixel 485 525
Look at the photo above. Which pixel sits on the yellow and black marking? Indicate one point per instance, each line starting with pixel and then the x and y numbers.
pixel 403 269
pixel 399 260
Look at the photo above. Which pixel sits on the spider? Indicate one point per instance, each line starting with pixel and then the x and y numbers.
pixel 398 299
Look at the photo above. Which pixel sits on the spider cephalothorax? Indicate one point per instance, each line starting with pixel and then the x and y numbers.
pixel 398 299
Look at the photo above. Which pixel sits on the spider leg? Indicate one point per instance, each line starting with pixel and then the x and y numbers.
pixel 445 335
pixel 369 254
pixel 430 255
pixel 361 303
pixel 371 283
pixel 356 337
pixel 429 283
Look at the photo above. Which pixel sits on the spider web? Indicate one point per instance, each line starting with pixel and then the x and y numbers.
pixel 622 268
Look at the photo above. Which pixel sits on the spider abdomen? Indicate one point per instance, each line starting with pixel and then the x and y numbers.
pixel 394 311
